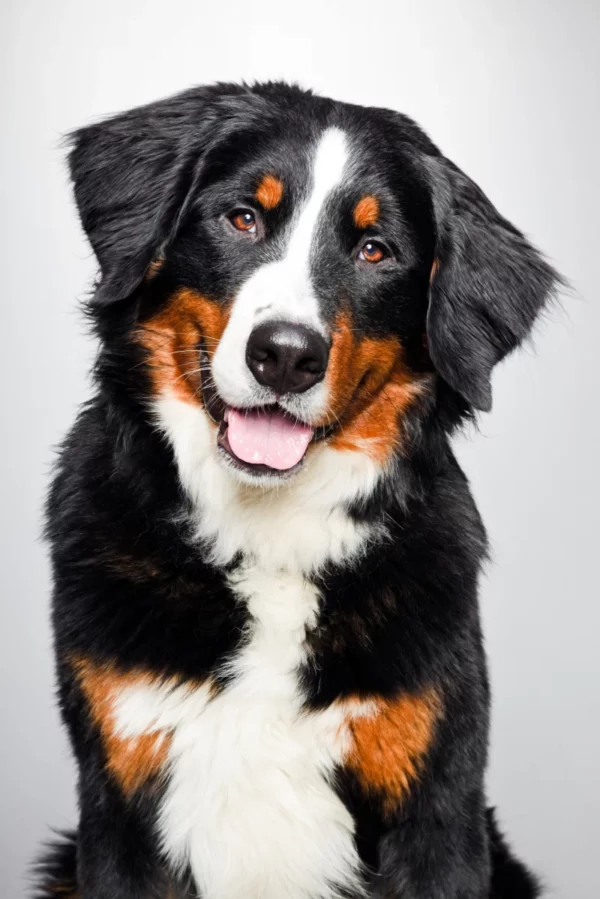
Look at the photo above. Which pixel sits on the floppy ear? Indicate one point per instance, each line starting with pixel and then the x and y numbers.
pixel 488 284
pixel 131 175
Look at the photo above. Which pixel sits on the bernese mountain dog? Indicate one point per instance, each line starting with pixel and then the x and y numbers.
pixel 265 555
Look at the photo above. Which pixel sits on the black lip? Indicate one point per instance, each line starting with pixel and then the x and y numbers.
pixel 213 403
pixel 215 407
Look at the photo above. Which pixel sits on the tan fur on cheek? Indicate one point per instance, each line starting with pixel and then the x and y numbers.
pixel 172 339
pixel 388 746
pixel 132 761
pixel 370 390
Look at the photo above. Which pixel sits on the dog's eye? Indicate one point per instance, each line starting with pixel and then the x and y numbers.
pixel 243 220
pixel 372 251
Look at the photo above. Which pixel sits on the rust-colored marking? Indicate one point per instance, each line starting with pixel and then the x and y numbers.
pixel 270 191
pixel 132 761
pixel 63 889
pixel 434 270
pixel 370 389
pixel 387 748
pixel 137 569
pixel 172 339
pixel 154 268
pixel 366 212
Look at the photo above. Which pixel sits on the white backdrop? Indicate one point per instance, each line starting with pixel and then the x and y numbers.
pixel 510 91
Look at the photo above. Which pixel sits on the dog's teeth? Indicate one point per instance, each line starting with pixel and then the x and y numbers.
pixel 226 415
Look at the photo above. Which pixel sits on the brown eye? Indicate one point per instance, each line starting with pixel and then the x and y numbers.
pixel 244 220
pixel 372 251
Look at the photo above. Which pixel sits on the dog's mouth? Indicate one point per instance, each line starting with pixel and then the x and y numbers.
pixel 265 440
pixel 262 441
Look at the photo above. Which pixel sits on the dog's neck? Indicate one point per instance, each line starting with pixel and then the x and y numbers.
pixel 299 526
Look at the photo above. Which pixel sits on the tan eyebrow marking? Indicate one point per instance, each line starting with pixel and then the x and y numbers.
pixel 366 212
pixel 270 191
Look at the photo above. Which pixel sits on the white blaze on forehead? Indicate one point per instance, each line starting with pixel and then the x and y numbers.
pixel 327 173
pixel 282 290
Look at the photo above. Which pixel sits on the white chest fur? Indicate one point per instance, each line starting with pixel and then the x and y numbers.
pixel 249 803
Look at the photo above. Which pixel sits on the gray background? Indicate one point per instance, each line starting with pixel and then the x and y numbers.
pixel 510 92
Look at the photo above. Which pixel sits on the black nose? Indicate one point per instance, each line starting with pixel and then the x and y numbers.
pixel 287 357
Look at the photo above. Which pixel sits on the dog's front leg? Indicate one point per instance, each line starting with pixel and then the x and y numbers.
pixel 117 852
pixel 437 856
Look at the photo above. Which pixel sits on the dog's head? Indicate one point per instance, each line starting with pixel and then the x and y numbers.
pixel 305 271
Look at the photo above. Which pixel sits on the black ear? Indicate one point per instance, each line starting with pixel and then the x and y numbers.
pixel 488 285
pixel 131 175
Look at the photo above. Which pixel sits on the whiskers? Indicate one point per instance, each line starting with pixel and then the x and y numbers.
pixel 330 412
pixel 205 372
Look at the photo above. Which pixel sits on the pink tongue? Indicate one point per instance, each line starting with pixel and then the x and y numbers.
pixel 267 437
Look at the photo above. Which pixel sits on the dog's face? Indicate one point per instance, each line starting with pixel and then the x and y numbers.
pixel 295 297
pixel 305 272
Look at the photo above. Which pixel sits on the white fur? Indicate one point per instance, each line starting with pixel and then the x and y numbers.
pixel 249 804
pixel 282 290
pixel 296 526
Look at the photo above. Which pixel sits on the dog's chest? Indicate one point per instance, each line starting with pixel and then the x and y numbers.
pixel 249 802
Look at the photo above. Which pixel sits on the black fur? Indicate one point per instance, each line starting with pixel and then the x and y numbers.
pixel 56 870
pixel 510 878
pixel 131 589
pixel 489 287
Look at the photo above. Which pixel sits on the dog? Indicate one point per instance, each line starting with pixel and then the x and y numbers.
pixel 265 554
